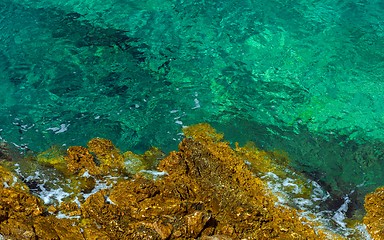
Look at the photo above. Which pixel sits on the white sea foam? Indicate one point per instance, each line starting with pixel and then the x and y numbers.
pixel 197 103
pixel 289 182
pixel 63 128
pixel 50 196
pixel 76 200
pixel 99 185
pixel 47 189
pixel 63 215
pixel 287 191
pixel 362 229
pixel 155 174
pixel 108 200
pixel 339 216
pixel 86 174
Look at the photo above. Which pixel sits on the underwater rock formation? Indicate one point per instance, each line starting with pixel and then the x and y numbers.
pixel 208 192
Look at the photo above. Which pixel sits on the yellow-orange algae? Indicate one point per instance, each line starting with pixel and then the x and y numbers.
pixel 53 157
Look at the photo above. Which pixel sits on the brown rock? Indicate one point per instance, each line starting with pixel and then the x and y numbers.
pixel 51 209
pixel 53 228
pixel 216 237
pixel 209 190
pixel 79 160
pixel 209 193
pixel 17 229
pixel 374 220
pixel 85 184
pixel 17 204
pixel 163 229
pixel 17 209
pixel 195 223
pixel 91 232
pixel 108 217
pixel 109 156
pixel 129 193
pixel 70 208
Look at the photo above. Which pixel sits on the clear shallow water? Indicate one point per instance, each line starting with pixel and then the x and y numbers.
pixel 305 77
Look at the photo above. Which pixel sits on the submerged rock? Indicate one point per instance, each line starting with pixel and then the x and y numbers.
pixel 209 192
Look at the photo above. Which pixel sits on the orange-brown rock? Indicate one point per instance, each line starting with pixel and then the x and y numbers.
pixel 80 160
pixel 223 185
pixel 104 214
pixel 209 193
pixel 51 227
pixel 17 204
pixel 152 157
pixel 17 211
pixel 109 156
pixel 374 220
pixel 17 229
pixel 69 208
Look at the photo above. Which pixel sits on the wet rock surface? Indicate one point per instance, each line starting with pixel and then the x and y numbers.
pixel 374 220
pixel 209 192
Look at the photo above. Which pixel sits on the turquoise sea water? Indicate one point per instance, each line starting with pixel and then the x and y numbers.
pixel 301 76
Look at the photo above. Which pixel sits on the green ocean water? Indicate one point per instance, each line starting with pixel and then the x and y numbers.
pixel 305 77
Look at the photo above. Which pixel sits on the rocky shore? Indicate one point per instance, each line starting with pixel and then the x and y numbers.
pixel 205 190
